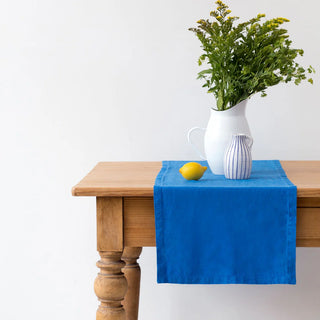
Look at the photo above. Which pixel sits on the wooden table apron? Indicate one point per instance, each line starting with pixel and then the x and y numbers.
pixel 125 224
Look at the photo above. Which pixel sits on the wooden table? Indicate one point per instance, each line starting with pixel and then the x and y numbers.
pixel 125 224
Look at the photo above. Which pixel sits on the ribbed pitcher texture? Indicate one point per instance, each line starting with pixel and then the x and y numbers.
pixel 238 159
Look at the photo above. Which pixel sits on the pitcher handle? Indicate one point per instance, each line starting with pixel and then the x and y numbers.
pixel 249 141
pixel 192 144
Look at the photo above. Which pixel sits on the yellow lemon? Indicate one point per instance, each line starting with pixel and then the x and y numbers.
pixel 192 171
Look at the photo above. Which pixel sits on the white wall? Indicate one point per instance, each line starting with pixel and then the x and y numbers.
pixel 84 81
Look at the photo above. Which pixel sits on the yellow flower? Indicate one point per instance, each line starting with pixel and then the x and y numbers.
pixel 228 11
pixel 219 17
pixel 283 19
pixel 261 15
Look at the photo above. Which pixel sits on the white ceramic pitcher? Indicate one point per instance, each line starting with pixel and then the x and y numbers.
pixel 221 126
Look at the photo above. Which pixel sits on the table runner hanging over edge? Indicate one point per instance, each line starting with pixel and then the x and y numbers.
pixel 219 231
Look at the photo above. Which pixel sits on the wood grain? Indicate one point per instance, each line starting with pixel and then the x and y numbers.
pixel 132 273
pixel 305 175
pixel 110 179
pixel 130 179
pixel 110 286
pixel 109 224
pixel 308 224
pixel 308 202
pixel 139 224
pixel 308 243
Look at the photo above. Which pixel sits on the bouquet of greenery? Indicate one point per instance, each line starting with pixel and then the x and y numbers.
pixel 246 58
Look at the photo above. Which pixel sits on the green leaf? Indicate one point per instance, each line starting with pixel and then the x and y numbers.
pixel 203 72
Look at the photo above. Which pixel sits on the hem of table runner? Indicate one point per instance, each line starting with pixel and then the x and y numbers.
pixel 229 280
pixel 157 199
pixel 291 226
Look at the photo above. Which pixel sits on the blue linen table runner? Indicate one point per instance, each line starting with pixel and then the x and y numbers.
pixel 220 231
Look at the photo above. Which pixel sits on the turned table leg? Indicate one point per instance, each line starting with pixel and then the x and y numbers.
pixel 110 286
pixel 132 273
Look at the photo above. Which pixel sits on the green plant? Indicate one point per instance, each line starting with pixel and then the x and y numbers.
pixel 245 58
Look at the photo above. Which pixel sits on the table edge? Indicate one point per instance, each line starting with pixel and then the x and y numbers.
pixel 79 191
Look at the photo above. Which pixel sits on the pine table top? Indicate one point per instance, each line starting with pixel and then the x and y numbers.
pixel 136 179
